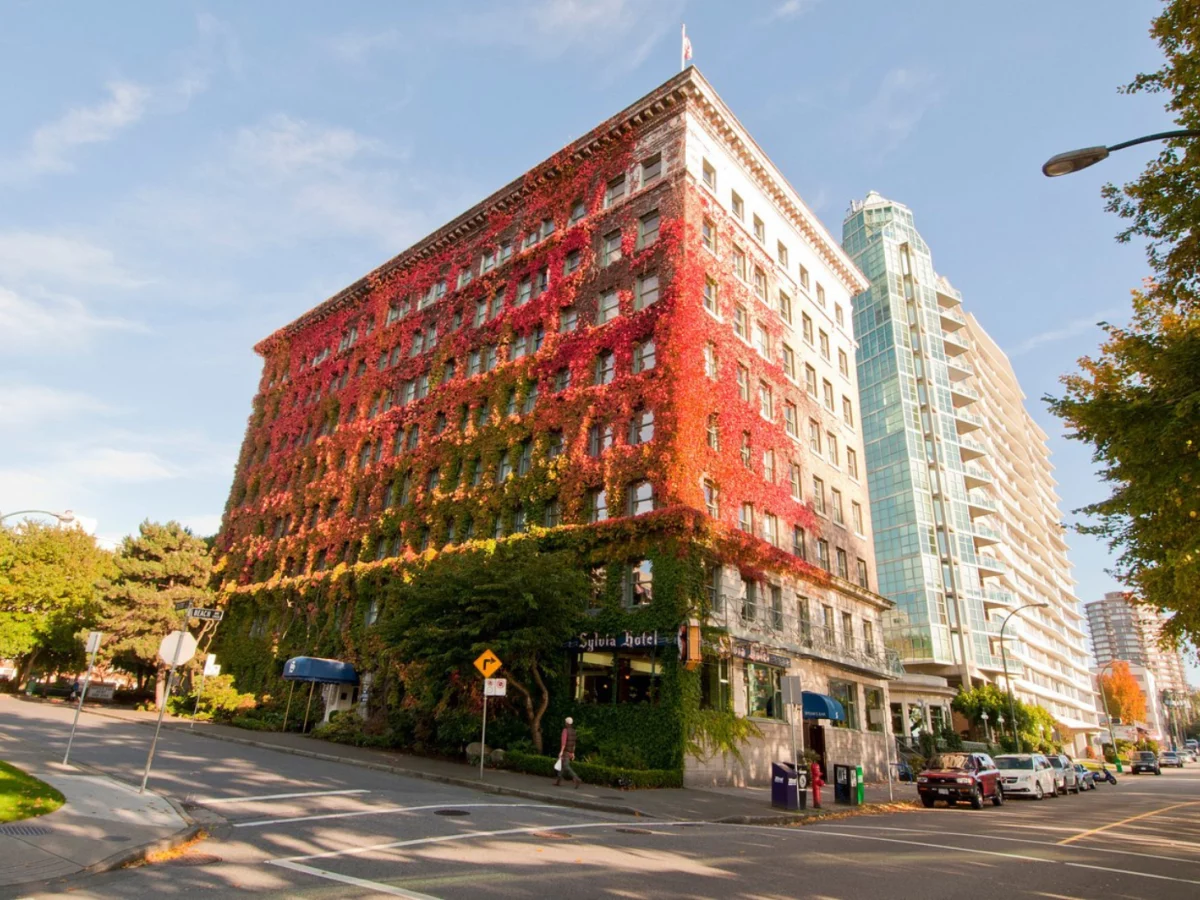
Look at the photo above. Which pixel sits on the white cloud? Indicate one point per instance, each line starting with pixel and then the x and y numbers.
pixel 112 464
pixel 283 147
pixel 203 525
pixel 23 405
pixel 791 9
pixel 902 99
pixel 51 145
pixel 356 46
pixel 36 320
pixel 1074 328
pixel 57 259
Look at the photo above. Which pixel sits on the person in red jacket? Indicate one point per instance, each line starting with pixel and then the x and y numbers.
pixel 566 753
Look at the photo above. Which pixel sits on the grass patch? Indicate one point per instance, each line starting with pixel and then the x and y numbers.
pixel 23 796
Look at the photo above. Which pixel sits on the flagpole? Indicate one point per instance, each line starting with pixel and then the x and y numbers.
pixel 682 47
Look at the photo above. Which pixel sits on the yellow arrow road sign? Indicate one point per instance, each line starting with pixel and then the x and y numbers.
pixel 488 663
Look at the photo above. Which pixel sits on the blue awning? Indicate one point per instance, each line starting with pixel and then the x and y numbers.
pixel 822 706
pixel 322 671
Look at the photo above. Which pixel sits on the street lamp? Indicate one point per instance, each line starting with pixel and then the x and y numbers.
pixel 66 517
pixel 986 731
pixel 1012 705
pixel 1074 160
pixel 1107 715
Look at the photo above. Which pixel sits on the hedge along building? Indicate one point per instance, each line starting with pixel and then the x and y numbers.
pixel 640 350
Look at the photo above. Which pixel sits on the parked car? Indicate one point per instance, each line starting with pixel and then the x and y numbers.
pixel 1087 778
pixel 1027 775
pixel 961 776
pixel 1145 761
pixel 1188 755
pixel 1170 758
pixel 1064 773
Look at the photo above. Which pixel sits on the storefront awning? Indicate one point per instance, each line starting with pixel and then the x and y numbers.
pixel 822 706
pixel 322 671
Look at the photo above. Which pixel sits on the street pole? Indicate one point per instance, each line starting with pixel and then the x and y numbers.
pixel 1108 716
pixel 87 679
pixel 199 694
pixel 483 737
pixel 1012 706
pixel 889 739
pixel 162 710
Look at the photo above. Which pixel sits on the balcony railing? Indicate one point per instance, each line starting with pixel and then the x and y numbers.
pixel 771 626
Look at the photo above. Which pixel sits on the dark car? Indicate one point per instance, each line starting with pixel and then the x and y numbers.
pixel 1145 761
pixel 952 777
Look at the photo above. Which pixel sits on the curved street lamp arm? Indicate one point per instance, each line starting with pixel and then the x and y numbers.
pixel 1161 136
pixel 62 517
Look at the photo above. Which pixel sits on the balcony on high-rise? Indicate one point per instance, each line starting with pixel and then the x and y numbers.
pixel 976 476
pixel 971 449
pixel 980 505
pixel 956 342
pixel 958 368
pixel 962 394
pixel 965 421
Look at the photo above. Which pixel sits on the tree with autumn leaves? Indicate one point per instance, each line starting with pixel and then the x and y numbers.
pixel 1123 694
pixel 1137 402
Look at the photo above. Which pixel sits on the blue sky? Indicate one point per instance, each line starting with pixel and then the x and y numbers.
pixel 178 180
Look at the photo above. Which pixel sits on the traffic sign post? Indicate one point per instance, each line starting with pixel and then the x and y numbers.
pixel 177 647
pixel 93 644
pixel 488 665
pixel 793 694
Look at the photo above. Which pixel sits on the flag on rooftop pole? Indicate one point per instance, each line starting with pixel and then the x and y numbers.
pixel 686 50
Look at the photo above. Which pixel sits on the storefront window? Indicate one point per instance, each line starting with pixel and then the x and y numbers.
pixel 874 703
pixel 846 693
pixel 637 679
pixel 593 680
pixel 937 718
pixel 763 699
pixel 616 678
pixel 714 684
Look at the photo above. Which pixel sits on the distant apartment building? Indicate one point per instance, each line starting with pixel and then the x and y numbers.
pixel 1125 630
pixel 966 521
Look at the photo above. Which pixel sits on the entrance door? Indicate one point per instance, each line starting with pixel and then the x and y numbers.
pixel 814 740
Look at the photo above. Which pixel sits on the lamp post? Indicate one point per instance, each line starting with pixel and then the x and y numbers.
pixel 987 733
pixel 1107 715
pixel 1074 160
pixel 66 517
pixel 1012 704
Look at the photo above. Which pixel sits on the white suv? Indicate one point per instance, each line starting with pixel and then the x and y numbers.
pixel 1027 775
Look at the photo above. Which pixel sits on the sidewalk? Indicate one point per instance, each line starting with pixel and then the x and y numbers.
pixel 749 806
pixel 104 824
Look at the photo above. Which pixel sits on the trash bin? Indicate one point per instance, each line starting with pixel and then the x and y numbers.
pixel 784 792
pixel 860 786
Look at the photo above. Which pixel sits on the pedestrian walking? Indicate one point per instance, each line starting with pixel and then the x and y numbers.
pixel 75 691
pixel 566 753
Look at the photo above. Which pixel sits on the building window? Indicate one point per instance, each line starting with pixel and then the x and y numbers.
pixel 760 230
pixel 554 445
pixel 713 432
pixel 856 516
pixel 647 291
pixel 599 439
pixel 823 554
pixel 708 235
pixel 746 518
pixel 766 401
pixel 846 693
pixel 810 380
pixel 641 426
pixel 651 168
pixel 648 229
pixel 504 467
pixel 709 174
pixel 739 263
pixel 770 529
pixel 824 345
pixel 790 419
pixel 762 340
pixel 568 320
pixel 714 684
pixel 819 495
pixel 641 498
pixel 712 498
pixel 760 284
pixel 832 445
pixel 746 449
pixel 614 191
pixel 843 570
pixel 597 505
pixel 863 580
pixel 835 501
pixel 806 328
pixel 612 248
pixel 739 207
pixel 743 382
pixel 848 411
pixel 789 362
pixel 710 295
pixel 643 356
pixel 852 462
pixel 741 321
pixel 609 309
pixel 874 705
pixel 525 458
pixel 781 254
pixel 749 599
pixel 814 436
pixel 795 482
pixel 769 466
pixel 605 369
pixel 799 547
pixel 552 516
pixel 639 583
pixel 820 295
pixel 843 363
pixel 763 695
pixel 828 391
pixel 578 211
pixel 571 262
pixel 710 360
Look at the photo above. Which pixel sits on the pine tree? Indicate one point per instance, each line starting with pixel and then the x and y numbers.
pixel 163 566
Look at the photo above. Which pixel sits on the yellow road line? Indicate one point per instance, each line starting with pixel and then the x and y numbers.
pixel 1125 822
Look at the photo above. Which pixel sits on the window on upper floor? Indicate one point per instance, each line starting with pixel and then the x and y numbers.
pixel 710 360
pixel 820 295
pixel 770 530
pixel 578 211
pixel 641 427
pixel 789 362
pixel 640 496
pixel 737 205
pixel 647 291
pixel 839 315
pixel 806 328
pixel 746 518
pixel 848 411
pixel 795 481
pixel 856 516
pixel 819 495
pixel 637 587
pixel 781 254
pixel 571 262
pixel 712 431
pixel 609 307
pixel 766 401
pixel 863 580
pixel 643 356
pixel 769 466
pixel 790 419
pixel 827 387
pixel 760 284
pixel 785 307
pixel 568 319
pixel 832 446
pixel 651 168
pixel 800 549
pixel 743 383
pixel 843 362
pixel 804 278
pixel 739 263
pixel 708 174
pixel 712 498
pixel 605 367
pixel 843 571
pixel 614 190
pixel 710 295
pixel 610 250
pixel 835 503
pixel 708 235
pixel 823 560
pixel 524 291
pixel 824 345
pixel 810 380
pixel 852 462
pixel 814 435
pixel 597 505
pixel 746 452
pixel 760 230
pixel 762 339
pixel 648 229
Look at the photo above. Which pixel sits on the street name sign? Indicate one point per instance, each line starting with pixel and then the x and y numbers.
pixel 488 663
pixel 212 615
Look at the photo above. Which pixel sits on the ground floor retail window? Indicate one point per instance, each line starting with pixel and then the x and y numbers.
pixel 937 719
pixel 616 678
pixel 846 693
pixel 714 684
pixel 875 711
pixel 763 695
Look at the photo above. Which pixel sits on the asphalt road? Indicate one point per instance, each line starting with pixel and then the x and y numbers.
pixel 286 826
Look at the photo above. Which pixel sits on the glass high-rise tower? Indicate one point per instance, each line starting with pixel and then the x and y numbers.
pixel 927 499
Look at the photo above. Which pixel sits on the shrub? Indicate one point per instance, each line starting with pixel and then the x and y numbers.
pixel 346 727
pixel 220 700
pixel 593 773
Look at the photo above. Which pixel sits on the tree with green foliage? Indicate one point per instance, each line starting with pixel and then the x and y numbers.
pixel 160 567
pixel 988 698
pixel 49 594
pixel 521 604
pixel 1138 401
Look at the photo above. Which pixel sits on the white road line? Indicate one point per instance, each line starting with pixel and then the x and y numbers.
pixel 377 886
pixel 1127 872
pixel 467 836
pixel 382 810
pixel 208 801
pixel 976 850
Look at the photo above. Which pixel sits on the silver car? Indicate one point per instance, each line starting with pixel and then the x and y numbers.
pixel 1065 778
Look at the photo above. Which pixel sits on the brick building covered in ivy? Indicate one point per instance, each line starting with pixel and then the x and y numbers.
pixel 641 349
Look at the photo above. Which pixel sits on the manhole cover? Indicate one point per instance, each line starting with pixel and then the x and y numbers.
pixel 24 830
pixel 193 859
pixel 451 812
pixel 634 831
pixel 553 835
